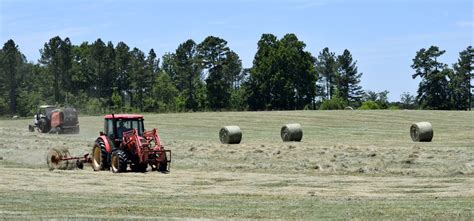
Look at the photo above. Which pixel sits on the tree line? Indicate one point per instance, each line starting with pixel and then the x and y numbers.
pixel 100 77
pixel 442 87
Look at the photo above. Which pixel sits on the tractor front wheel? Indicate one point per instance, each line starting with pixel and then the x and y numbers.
pixel 163 166
pixel 119 161
pixel 44 125
pixel 100 156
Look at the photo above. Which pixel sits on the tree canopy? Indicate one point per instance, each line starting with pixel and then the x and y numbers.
pixel 99 77
pixel 283 75
pixel 442 88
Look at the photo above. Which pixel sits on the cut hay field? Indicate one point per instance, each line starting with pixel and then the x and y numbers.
pixel 349 165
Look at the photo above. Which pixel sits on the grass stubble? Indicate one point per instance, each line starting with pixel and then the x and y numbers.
pixel 350 164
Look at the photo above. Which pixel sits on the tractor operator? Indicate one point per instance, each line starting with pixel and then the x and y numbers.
pixel 121 129
pixel 38 115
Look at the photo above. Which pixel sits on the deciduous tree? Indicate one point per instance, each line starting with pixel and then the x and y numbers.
pixel 283 75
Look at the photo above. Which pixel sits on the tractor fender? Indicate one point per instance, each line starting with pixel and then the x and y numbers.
pixel 106 142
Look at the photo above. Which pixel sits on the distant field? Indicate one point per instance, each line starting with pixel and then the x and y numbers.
pixel 350 164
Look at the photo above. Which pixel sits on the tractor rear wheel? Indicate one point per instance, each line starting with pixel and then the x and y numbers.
pixel 119 161
pixel 100 156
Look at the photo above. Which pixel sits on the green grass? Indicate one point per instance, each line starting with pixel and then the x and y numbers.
pixel 242 206
pixel 349 165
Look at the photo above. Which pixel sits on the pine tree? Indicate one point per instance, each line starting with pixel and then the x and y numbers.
pixel 348 78
pixel 213 54
pixel 139 82
pixel 459 84
pixel 123 69
pixel 109 75
pixel 185 70
pixel 326 67
pixel 11 61
pixel 82 72
pixel 433 91
pixel 57 57
pixel 259 84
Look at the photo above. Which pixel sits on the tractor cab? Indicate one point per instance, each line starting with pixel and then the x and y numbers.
pixel 124 142
pixel 44 111
pixel 116 125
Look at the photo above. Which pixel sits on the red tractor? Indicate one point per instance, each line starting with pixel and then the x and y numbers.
pixel 125 142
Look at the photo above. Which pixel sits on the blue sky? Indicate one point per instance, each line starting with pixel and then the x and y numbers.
pixel 382 35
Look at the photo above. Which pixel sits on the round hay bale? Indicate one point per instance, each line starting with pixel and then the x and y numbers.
pixel 230 135
pixel 421 132
pixel 291 132
pixel 55 157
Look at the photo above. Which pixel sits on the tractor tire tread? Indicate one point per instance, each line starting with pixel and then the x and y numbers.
pixel 104 156
pixel 163 166
pixel 122 161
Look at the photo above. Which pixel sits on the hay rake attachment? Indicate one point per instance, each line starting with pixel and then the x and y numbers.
pixel 61 159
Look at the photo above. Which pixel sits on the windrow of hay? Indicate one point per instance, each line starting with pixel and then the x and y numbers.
pixel 230 135
pixel 421 132
pixel 291 132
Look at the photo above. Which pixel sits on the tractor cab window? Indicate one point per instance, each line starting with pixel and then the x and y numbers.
pixel 48 110
pixel 124 125
pixel 43 112
pixel 109 128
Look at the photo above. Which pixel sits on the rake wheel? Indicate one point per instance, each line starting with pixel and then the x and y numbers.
pixel 55 157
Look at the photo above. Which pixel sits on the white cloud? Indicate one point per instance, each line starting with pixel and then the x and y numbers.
pixel 303 4
pixel 218 22
pixel 299 4
pixel 465 24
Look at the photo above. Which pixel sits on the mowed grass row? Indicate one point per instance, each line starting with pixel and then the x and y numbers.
pixel 186 194
pixel 322 127
pixel 45 205
pixel 350 164
pixel 334 142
